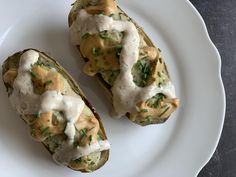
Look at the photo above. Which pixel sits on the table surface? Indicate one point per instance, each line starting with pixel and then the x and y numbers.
pixel 220 18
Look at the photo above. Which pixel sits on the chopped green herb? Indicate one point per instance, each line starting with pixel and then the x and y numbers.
pixel 76 144
pixel 137 82
pixel 159 49
pixel 104 34
pixel 164 112
pixel 149 119
pixel 85 36
pixel 143 110
pixel 102 13
pixel 156 100
pixel 38 115
pixel 92 163
pixel 47 83
pixel 142 71
pixel 83 132
pixel 40 62
pixel 79 160
pixel 118 49
pixel 44 130
pixel 111 15
pixel 96 51
pixel 142 121
pixel 33 74
pixel 121 34
pixel 50 138
pixel 119 46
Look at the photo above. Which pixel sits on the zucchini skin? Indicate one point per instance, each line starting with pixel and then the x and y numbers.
pixel 13 62
pixel 104 85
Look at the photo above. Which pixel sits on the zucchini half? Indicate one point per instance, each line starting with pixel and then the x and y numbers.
pixel 51 140
pixel 156 109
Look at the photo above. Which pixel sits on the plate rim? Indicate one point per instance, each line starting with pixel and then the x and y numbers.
pixel 211 46
pixel 219 77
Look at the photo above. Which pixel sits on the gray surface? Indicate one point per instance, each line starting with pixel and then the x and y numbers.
pixel 220 18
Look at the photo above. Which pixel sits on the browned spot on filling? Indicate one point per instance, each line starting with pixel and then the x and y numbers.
pixel 105 7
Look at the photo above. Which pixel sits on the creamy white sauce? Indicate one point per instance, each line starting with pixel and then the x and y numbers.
pixel 125 93
pixel 23 98
pixel 26 101
pixel 68 152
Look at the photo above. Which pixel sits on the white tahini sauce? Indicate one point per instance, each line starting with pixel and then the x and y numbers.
pixel 68 152
pixel 26 101
pixel 125 93
pixel 23 98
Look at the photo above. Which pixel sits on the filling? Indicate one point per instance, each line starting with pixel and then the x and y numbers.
pixel 134 71
pixel 56 115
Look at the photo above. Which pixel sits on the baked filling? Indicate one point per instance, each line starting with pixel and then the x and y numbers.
pixel 117 51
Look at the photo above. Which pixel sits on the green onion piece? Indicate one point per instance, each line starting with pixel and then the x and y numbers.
pixel 118 49
pixel 164 111
pixel 96 51
pixel 79 160
pixel 33 74
pixel 76 143
pixel 85 36
pixel 83 132
pixel 44 130
pixel 47 83
pixel 143 110
pixel 111 15
pixel 104 35
pixel 149 119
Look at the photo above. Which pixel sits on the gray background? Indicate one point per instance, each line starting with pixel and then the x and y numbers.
pixel 220 18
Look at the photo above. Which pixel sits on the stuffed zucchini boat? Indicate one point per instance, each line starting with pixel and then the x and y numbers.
pixel 125 61
pixel 56 110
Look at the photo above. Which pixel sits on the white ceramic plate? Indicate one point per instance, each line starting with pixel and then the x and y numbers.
pixel 180 147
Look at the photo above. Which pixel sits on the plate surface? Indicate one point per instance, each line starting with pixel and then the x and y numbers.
pixel 180 147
